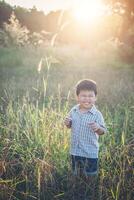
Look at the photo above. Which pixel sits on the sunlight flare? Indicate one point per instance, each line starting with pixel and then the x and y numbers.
pixel 88 11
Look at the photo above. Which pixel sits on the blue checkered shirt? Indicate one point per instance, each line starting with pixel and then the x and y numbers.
pixel 84 141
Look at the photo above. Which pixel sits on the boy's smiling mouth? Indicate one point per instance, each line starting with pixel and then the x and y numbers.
pixel 86 103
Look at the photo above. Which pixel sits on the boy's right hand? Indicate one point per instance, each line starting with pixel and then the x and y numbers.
pixel 68 122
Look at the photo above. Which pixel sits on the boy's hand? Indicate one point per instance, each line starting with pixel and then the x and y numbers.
pixel 96 128
pixel 68 122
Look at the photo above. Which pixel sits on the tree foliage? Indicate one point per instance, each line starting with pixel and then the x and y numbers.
pixel 36 22
pixel 14 33
pixel 125 8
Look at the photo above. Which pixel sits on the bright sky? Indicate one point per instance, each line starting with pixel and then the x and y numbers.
pixel 46 5
pixel 84 11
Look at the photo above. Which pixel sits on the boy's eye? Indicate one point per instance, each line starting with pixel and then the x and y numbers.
pixel 87 96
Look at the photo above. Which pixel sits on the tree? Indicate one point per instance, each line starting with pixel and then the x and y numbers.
pixel 5 12
pixel 16 34
pixel 125 8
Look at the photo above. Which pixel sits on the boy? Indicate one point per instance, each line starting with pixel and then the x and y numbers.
pixel 87 124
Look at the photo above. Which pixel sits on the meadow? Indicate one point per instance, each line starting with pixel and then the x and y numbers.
pixel 37 91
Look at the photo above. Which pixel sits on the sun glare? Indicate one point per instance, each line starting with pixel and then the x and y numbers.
pixel 87 11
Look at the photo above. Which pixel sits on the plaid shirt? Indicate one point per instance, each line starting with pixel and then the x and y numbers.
pixel 84 141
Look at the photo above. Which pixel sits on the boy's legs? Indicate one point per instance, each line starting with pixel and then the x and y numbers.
pixel 90 186
pixel 90 177
pixel 84 171
pixel 77 185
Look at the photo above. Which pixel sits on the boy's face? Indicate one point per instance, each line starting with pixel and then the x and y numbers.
pixel 86 98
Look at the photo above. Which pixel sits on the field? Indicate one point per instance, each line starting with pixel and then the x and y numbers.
pixel 37 91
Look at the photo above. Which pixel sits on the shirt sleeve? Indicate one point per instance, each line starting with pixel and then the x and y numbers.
pixel 100 121
pixel 70 114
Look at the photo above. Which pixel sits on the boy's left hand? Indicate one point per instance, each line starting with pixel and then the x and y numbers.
pixel 94 126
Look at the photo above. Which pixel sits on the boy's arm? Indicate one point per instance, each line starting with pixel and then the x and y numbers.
pixel 97 128
pixel 68 120
pixel 99 125
pixel 102 127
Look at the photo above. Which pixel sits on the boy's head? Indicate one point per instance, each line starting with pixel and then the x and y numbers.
pixel 86 84
pixel 86 91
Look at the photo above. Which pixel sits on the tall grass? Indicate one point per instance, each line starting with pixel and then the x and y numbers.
pixel 34 144
pixel 34 153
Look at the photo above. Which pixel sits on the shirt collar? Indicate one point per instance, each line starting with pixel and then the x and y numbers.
pixel 91 110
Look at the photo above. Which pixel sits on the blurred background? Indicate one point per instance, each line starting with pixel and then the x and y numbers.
pixel 46 46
